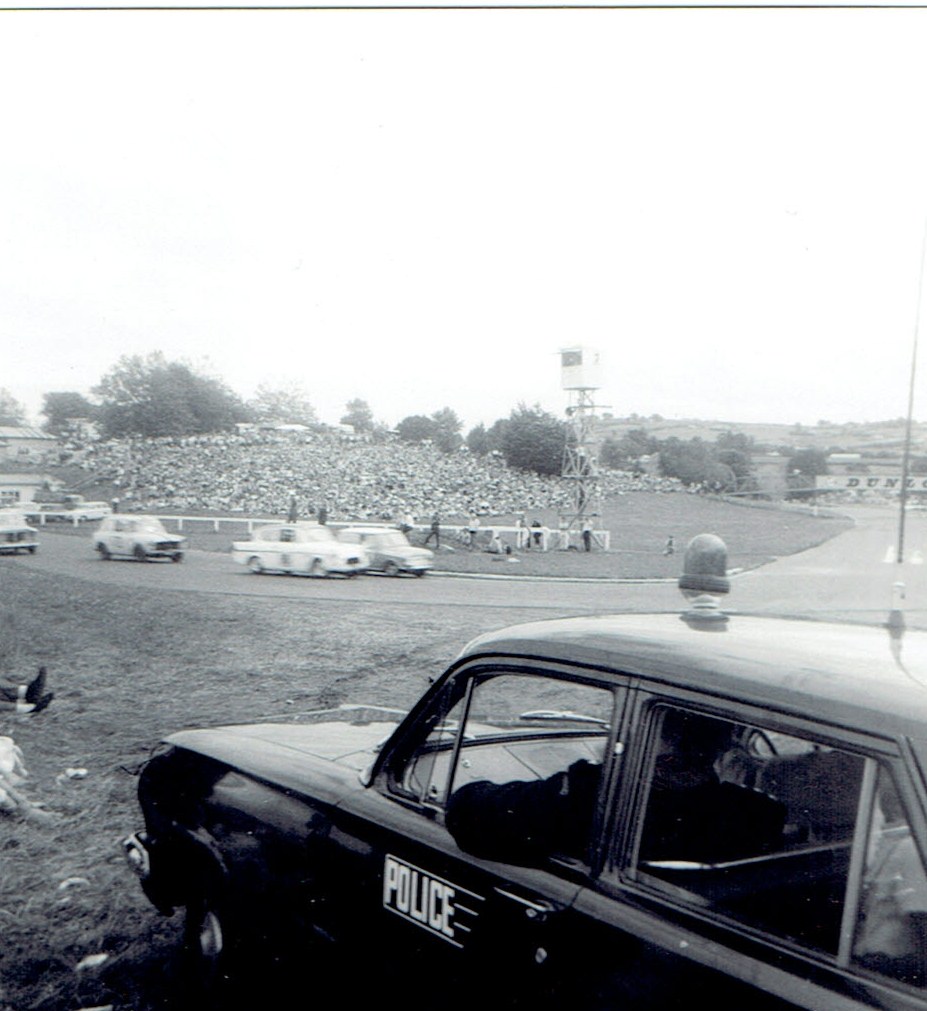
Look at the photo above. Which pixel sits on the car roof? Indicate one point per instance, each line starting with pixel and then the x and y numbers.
pixel 870 677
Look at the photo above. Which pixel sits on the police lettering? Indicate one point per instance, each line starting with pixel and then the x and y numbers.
pixel 418 896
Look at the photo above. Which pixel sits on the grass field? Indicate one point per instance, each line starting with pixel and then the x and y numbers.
pixel 129 666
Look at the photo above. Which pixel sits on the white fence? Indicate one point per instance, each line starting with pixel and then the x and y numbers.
pixel 542 538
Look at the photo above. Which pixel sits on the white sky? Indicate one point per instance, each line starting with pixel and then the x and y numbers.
pixel 420 208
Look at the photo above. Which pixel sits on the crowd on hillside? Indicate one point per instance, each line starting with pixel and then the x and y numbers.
pixel 259 472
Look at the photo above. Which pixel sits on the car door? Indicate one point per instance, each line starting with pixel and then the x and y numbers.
pixel 468 849
pixel 120 538
pixel 761 862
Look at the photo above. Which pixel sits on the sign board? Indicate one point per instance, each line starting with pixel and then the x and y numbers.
pixel 868 482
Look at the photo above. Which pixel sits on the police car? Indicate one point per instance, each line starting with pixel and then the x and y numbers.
pixel 632 811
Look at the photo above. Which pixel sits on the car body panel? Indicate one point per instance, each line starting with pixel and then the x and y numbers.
pixel 298 548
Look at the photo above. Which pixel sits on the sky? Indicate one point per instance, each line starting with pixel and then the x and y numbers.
pixel 420 208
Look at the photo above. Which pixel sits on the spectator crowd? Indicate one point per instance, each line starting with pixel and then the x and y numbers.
pixel 259 472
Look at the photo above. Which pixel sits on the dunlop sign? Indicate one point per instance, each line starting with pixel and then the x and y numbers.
pixel 868 482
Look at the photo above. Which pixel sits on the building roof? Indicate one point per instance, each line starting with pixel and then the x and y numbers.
pixel 24 432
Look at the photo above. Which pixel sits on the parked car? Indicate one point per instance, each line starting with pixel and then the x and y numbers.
pixel 16 535
pixel 139 537
pixel 308 548
pixel 617 811
pixel 389 550
pixel 69 508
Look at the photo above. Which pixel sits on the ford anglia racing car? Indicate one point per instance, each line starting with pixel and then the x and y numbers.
pixel 305 548
pixel 634 811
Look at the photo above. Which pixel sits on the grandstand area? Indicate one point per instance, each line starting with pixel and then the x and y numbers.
pixel 355 478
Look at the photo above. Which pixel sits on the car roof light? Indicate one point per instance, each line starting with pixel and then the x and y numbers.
pixel 704 578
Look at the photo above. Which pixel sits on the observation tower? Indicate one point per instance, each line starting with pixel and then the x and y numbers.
pixel 581 377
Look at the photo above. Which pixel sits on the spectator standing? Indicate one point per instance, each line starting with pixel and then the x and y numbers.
pixel 473 529
pixel 323 514
pixel 434 530
pixel 670 547
pixel 587 535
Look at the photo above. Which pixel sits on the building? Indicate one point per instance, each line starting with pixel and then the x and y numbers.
pixel 24 444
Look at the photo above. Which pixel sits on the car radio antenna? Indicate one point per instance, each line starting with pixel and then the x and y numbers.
pixel 906 456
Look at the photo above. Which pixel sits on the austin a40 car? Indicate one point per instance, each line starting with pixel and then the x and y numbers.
pixel 632 811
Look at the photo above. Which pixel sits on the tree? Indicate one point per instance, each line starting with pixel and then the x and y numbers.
pixel 447 430
pixel 735 450
pixel 151 396
pixel 416 428
pixel 358 416
pixel 61 409
pixel 809 462
pixel 478 440
pixel 625 453
pixel 288 405
pixel 533 439
pixel 12 411
pixel 692 462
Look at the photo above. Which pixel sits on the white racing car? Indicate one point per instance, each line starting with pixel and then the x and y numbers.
pixel 299 548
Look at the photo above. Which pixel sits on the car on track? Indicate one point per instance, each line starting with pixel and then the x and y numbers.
pixel 592 812
pixel 16 535
pixel 305 548
pixel 389 550
pixel 138 537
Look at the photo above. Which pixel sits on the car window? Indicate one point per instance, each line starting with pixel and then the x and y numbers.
pixel 753 825
pixel 287 534
pixel 528 767
pixel 151 526
pixel 891 929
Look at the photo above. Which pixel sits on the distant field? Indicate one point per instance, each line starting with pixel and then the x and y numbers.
pixel 128 666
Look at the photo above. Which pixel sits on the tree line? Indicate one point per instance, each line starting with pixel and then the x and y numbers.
pixel 150 396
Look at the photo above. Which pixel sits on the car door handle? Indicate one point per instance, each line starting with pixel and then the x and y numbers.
pixel 535 909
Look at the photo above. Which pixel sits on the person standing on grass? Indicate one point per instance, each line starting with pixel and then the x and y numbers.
pixel 587 535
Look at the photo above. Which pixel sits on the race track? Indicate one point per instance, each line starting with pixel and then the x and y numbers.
pixel 848 577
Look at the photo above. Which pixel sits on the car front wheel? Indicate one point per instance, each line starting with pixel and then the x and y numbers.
pixel 104 552
pixel 318 568
pixel 256 565
pixel 139 553
pixel 177 556
pixel 390 569
pixel 207 947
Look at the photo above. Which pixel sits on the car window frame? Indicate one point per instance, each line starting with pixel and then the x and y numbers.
pixel 624 818
pixel 420 722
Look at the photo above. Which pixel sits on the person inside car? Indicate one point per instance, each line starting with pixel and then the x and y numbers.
pixel 691 814
pixel 523 822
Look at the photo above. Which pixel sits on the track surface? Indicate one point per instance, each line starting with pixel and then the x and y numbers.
pixel 851 576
